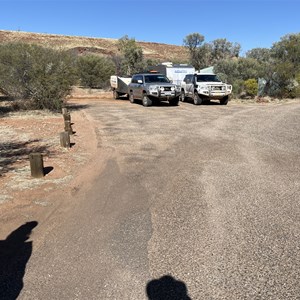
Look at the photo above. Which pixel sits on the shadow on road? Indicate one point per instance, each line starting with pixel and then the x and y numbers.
pixel 167 288
pixel 157 103
pixel 15 252
pixel 207 102
pixel 76 106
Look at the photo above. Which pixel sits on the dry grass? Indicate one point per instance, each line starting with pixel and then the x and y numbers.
pixel 24 132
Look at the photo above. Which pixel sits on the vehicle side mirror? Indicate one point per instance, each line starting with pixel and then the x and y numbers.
pixel 140 81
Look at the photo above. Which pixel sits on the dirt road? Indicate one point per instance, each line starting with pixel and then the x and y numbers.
pixel 198 201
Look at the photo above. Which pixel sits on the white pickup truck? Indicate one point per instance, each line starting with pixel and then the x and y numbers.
pixel 201 87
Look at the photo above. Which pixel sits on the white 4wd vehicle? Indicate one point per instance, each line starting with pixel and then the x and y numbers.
pixel 201 87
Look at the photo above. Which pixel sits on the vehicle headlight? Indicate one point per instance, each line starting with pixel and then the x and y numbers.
pixel 172 88
pixel 204 89
pixel 161 89
pixel 152 88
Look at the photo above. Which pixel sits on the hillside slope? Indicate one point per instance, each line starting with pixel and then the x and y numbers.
pixel 101 46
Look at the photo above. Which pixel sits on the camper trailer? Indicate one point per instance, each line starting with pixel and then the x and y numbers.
pixel 175 72
pixel 119 86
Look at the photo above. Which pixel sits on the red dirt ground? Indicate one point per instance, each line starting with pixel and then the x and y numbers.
pixel 23 197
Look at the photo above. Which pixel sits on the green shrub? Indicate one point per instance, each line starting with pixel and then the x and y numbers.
pixel 132 53
pixel 237 88
pixel 95 71
pixel 297 88
pixel 40 76
pixel 294 88
pixel 251 87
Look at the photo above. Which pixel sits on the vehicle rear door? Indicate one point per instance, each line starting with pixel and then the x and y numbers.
pixel 139 86
pixel 133 86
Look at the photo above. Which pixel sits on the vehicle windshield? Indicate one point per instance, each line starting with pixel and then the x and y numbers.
pixel 205 77
pixel 156 78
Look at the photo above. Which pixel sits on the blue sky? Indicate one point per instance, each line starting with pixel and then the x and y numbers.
pixel 252 23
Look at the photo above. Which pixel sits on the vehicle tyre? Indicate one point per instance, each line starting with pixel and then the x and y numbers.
pixel 197 99
pixel 224 101
pixel 146 101
pixel 116 95
pixel 174 102
pixel 182 96
pixel 131 98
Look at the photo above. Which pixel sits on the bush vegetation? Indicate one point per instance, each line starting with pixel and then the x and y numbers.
pixel 279 66
pixel 40 77
pixel 95 71
pixel 251 87
pixel 132 57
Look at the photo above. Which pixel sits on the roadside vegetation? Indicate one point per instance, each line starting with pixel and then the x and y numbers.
pixel 36 77
pixel 130 58
pixel 273 72
pixel 94 71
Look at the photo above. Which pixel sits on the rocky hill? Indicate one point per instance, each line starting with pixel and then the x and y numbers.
pixel 101 46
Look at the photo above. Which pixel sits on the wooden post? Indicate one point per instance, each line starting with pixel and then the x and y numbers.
pixel 64 110
pixel 65 139
pixel 36 165
pixel 68 127
pixel 67 117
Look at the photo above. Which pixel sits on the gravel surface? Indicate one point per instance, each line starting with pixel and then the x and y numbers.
pixel 192 202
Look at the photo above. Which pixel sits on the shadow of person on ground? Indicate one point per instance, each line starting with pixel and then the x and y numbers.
pixel 167 288
pixel 15 252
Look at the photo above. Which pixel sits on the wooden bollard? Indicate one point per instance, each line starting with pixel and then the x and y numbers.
pixel 64 110
pixel 67 117
pixel 36 165
pixel 65 139
pixel 68 127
